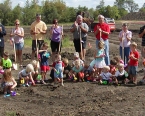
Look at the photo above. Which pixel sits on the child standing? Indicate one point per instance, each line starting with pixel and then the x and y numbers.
pixel 44 64
pixel 6 63
pixel 58 68
pixel 26 75
pixel 8 82
pixel 133 62
pixel 99 57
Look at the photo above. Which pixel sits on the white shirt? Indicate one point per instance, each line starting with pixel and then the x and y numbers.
pixel 126 43
pixel 117 73
pixel 23 73
pixel 81 62
pixel 106 76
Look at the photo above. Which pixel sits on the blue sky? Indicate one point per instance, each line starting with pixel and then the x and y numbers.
pixel 76 3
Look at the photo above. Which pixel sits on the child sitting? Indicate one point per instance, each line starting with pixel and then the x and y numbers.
pixel 113 64
pixel 8 82
pixel 121 74
pixel 67 67
pixel 26 75
pixel 44 64
pixel 36 68
pixel 6 63
pixel 58 68
pixel 77 71
pixel 76 57
pixel 105 75
pixel 89 71
pixel 118 59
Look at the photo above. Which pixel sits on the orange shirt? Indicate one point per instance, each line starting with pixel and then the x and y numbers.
pixel 105 27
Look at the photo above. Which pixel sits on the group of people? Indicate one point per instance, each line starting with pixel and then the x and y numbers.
pixel 123 67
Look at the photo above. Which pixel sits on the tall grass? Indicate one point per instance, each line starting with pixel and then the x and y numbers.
pixel 66 42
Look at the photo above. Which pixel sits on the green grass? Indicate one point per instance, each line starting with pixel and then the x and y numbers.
pixel 66 43
pixel 10 113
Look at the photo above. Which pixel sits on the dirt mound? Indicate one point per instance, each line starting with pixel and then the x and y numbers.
pixel 134 16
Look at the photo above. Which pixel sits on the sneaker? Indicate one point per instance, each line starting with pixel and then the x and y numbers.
pixel 27 85
pixel 43 82
pixel 62 84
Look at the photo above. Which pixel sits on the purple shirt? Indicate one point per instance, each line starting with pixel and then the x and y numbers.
pixel 56 36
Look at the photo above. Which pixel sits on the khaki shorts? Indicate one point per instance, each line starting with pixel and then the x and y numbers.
pixel 143 51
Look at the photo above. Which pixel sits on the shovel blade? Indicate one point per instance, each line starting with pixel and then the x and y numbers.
pixel 15 66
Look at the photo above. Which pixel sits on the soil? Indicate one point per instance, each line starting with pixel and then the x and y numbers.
pixel 77 98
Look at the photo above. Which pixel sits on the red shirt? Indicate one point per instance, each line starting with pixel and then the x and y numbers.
pixel 105 27
pixel 136 55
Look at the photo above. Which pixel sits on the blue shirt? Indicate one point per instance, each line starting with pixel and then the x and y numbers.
pixel 44 58
pixel 2 33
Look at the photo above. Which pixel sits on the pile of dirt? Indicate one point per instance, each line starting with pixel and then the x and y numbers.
pixel 134 16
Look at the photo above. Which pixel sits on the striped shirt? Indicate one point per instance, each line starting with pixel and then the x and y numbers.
pixel 143 37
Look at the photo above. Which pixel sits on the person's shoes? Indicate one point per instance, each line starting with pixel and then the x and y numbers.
pixel 62 84
pixel 43 82
pixel 27 85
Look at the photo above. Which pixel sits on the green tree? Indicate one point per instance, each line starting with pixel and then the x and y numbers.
pixel 5 10
pixel 17 13
pixel 102 4
pixel 131 6
pixel 110 11
pixel 49 11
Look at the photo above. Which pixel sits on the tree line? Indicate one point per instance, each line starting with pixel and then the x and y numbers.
pixel 51 9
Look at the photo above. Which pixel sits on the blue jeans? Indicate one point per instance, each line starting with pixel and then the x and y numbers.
pixel 107 59
pixel 126 54
pixel 19 46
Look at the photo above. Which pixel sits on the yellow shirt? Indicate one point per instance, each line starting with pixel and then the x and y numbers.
pixel 36 26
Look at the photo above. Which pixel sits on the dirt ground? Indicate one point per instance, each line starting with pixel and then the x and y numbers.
pixel 80 98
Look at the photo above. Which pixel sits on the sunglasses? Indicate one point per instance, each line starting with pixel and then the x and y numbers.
pixel 17 24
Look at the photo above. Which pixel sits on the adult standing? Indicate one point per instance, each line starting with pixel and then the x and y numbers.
pixel 56 33
pixel 2 34
pixel 38 30
pixel 102 30
pixel 17 35
pixel 80 29
pixel 125 37
pixel 142 35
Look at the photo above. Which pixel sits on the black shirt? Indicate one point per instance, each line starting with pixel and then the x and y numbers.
pixel 2 33
pixel 143 37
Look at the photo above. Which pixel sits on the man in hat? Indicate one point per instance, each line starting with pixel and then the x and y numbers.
pixel 125 37
pixel 38 30
pixel 2 34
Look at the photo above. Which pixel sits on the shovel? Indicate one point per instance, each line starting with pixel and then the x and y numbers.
pixel 36 45
pixel 60 40
pixel 81 44
pixel 15 65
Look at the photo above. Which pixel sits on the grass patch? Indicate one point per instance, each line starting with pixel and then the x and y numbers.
pixel 66 42
pixel 11 113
